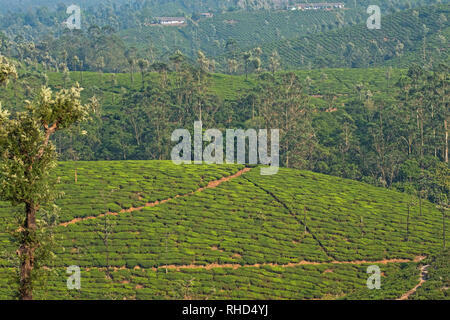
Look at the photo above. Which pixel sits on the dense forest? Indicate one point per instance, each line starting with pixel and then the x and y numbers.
pixel 389 131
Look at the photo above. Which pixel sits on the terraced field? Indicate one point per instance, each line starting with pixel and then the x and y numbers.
pixel 397 43
pixel 219 232
pixel 246 28
pixel 339 82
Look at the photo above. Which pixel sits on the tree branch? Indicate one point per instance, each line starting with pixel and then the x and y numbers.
pixel 48 132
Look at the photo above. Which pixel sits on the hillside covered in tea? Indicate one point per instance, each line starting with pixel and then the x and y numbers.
pixel 154 230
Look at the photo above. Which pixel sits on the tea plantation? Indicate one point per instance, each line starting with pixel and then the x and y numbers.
pixel 293 235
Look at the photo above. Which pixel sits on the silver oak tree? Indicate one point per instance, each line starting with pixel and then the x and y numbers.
pixel 27 157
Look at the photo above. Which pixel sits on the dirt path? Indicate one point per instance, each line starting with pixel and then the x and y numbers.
pixel 212 184
pixel 308 229
pixel 423 278
pixel 258 265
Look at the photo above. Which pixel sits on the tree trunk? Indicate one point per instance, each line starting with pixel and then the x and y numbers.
pixel 446 142
pixel 26 252
pixel 434 142
pixel 407 223
pixel 443 227
pixel 304 220
pixel 422 146
pixel 420 203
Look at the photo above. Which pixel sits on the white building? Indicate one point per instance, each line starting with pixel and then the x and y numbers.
pixel 318 6
pixel 171 20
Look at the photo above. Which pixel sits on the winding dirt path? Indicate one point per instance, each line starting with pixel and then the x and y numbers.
pixel 258 265
pixel 211 184
pixel 423 278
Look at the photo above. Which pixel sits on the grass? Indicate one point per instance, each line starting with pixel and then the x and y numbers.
pixel 339 82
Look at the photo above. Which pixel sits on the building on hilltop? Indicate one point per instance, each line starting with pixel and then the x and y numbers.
pixel 318 6
pixel 206 14
pixel 171 20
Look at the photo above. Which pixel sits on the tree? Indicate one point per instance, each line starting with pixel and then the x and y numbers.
pixel 131 62
pixel 130 56
pixel 232 66
pixel 231 48
pixel 66 75
pixel 161 68
pixel 27 158
pixel 143 65
pixel 77 62
pixel 100 65
pixel 7 71
pixel 284 105
pixel 106 229
pixel 177 59
pixel 442 178
pixel 274 64
pixel 256 64
pixel 202 61
pixel 411 202
pixel 247 56
pixel 212 65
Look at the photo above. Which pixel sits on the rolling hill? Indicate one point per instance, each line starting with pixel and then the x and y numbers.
pixel 306 38
pixel 245 28
pixel 416 35
pixel 153 230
